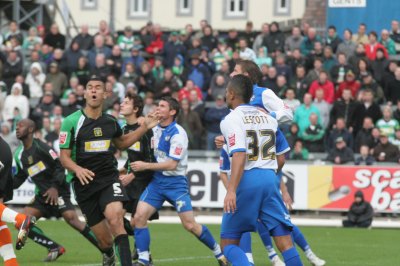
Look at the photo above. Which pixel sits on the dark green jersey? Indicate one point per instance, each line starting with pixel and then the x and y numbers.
pixel 90 141
pixel 42 165
pixel 140 151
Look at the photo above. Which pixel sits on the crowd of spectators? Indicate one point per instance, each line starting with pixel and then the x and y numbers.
pixel 344 88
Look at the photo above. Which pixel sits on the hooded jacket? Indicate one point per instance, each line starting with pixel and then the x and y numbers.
pixel 15 101
pixel 36 82
pixel 360 212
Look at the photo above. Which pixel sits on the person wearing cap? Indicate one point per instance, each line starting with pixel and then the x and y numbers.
pixel 126 41
pixel 360 213
pixel 368 82
pixel 386 151
pixel 173 48
pixel 349 83
pixel 340 154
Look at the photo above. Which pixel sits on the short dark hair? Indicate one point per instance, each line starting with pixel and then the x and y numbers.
pixel 137 102
pixel 373 33
pixel 242 86
pixel 95 78
pixel 252 69
pixel 173 104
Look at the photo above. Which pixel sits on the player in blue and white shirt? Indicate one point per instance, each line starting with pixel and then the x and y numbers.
pixel 252 193
pixel 169 183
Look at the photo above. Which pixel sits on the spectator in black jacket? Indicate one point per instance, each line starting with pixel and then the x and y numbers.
pixel 343 107
pixel 172 48
pixel 338 72
pixel 146 81
pixel 54 38
pixel 275 40
pixel 333 40
pixel 386 151
pixel 365 157
pixel 208 38
pixel 84 39
pixel 366 108
pixel 341 131
pixel 340 154
pixel 364 135
pixel 101 70
pixel 212 118
pixel 393 88
pixel 12 67
pixel 360 212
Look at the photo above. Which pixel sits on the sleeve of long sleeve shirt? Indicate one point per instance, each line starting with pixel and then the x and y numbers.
pixel 273 104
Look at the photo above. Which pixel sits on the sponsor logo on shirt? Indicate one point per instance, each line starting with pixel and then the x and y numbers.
pixel 63 137
pixel 97 146
pixel 135 146
pixel 97 132
pixel 36 169
pixel 231 140
pixel 30 160
pixel 53 154
pixel 178 150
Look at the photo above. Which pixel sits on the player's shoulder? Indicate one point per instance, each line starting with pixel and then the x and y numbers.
pixel 110 117
pixel 177 129
pixel 18 151
pixel 74 117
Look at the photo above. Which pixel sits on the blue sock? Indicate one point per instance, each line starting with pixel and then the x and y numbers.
pixel 299 238
pixel 236 256
pixel 266 239
pixel 142 236
pixel 291 257
pixel 245 245
pixel 207 239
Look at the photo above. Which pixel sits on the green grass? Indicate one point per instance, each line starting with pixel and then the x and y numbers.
pixel 171 245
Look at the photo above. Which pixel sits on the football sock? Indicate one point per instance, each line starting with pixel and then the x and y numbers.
pixel 6 246
pixel 207 239
pixel 245 245
pixel 123 250
pixel 142 236
pixel 88 234
pixel 266 239
pixel 128 227
pixel 299 239
pixel 37 235
pixel 236 256
pixel 10 216
pixel 291 257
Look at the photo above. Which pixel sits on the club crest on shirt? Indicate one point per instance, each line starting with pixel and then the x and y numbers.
pixel 167 138
pixel 178 150
pixel 97 132
pixel 30 160
pixel 231 140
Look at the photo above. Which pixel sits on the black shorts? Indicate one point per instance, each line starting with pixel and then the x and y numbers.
pixel 134 190
pixel 93 207
pixel 47 210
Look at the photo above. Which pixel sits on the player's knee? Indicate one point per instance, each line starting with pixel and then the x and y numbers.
pixel 116 221
pixel 190 226
pixel 105 242
pixel 139 220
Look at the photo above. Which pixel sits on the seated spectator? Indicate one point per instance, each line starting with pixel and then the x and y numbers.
pixel 361 36
pixel 282 68
pixel 378 66
pixel 169 85
pixel 305 110
pixel 115 61
pixel 275 40
pixel 395 31
pixel 393 88
pixel 396 140
pixel 340 154
pixel 292 135
pixel 71 56
pixel 373 45
pixel 324 84
pixel 58 80
pixel 387 42
pixel 35 80
pixel 208 40
pixel 245 52
pixel 82 72
pixel 290 99
pixel 98 48
pixel 196 104
pixel 31 40
pixel 129 75
pixel 15 101
pixel 293 41
pixel 46 105
pixel 339 130
pixel 262 57
pixel 366 108
pixel 270 81
pixel 333 40
pixel 348 47
pixel 339 71
pixel 218 85
pixel 212 118
pixel 386 151
pixel 12 66
pixel 101 70
pixel 185 91
pixel 387 125
pixel 313 136
pixel 221 54
pixel 369 83
pixel 191 122
pixel 299 152
pixel 295 60
pixel 360 212
pixel 9 136
pixel 329 59
pixel 136 58
pixel 117 87
pixel 145 82
pixel 349 83
pixel 299 82
pixel 126 41
pixel 364 135
pixel 199 73
pixel 355 58
pixel 365 158
pixel 308 42
pixel 281 85
pixel 54 38
pixel 323 107
pixel 84 39
pixel 260 37
pixel 317 52
pixel 72 105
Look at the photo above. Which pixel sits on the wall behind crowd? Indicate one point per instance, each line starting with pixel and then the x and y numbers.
pixel 343 87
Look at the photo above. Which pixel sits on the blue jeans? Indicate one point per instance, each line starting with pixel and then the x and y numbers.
pixel 210 140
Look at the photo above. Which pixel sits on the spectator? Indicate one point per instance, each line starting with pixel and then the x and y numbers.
pixel 136 58
pixel 296 59
pixel 340 154
pixel 396 140
pixel 8 135
pixel 218 85
pixel 324 84
pixel 31 40
pixel 329 59
pixel 299 83
pixel 258 42
pixel 364 135
pixel 173 48
pixel 196 104
pixel 13 32
pixel 357 56
pixel 205 60
pixel 249 34
pixel 339 71
pixel 270 81
pixel 104 30
pixel 364 158
pixel 388 75
pixel 387 42
pixel 115 61
pixel 245 52
pixel 282 68
pixel 220 55
pixel 367 108
pixel 158 69
pixel 375 137
pixel 350 83
pixel 232 41
pixel 98 48
pixel 82 72
pixel 12 67
pixel 275 40
pixel 156 46
pixel 191 122
pixel 212 120
pixel 129 75
pixel 199 73
pixel 170 84
pixel 333 39
pixel 299 152
pixel 72 105
pixel 290 99
pixel 396 113
pixel 393 88
pixel 71 57
pixel 101 70
pixel 145 81
pixel 395 31
pixel 184 93
pixel 46 105
pixel 208 40
pixel 293 41
pixel 368 83
pixel 308 42
pixel 379 65
pixel 15 101
pixel 35 81
pixel 386 151
pixel 313 136
pixel 360 212
pixel 317 52
pixel 347 47
pixel 84 39
pixel 340 130
pixel 305 110
pixel 313 74
pixel 292 135
pixel 323 107
pixel 387 125
pixel 262 57
pixel 361 36
pixel 126 41
pixel 281 86
pixel 54 38
pixel 61 62
pixel 372 46
pixel 58 79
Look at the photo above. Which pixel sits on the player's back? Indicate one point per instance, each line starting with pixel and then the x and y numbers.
pixel 254 131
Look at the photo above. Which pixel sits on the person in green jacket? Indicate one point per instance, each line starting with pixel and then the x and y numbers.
pixel 388 42
pixel 303 112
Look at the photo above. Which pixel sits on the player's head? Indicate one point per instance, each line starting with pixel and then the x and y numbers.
pixel 25 128
pixel 249 69
pixel 95 92
pixel 168 109
pixel 239 91
pixel 132 105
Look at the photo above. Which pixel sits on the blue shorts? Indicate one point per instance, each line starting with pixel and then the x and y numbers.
pixel 257 197
pixel 179 196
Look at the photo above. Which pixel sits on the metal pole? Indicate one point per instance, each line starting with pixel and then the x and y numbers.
pixel 112 15
pixel 16 7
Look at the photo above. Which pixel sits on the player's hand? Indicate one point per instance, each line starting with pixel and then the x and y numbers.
pixel 84 175
pixel 138 166
pixel 52 196
pixel 140 120
pixel 151 120
pixel 287 199
pixel 230 202
pixel 219 141
pixel 126 179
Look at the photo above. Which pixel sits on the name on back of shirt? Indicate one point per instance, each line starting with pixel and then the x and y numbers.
pixel 255 119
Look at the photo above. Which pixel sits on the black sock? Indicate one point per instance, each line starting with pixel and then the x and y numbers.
pixel 128 227
pixel 109 252
pixel 88 234
pixel 123 250
pixel 37 235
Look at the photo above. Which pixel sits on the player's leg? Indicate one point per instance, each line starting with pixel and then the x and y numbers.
pixel 301 241
pixel 265 236
pixel 245 245
pixel 10 216
pixel 105 240
pixel 6 248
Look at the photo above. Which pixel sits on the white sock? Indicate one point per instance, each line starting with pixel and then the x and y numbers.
pixel 145 256
pixel 217 251
pixel 7 252
pixel 308 252
pixel 271 252
pixel 8 215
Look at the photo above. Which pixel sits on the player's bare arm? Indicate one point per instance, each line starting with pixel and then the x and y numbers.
pixel 238 162
pixel 224 178
pixel 84 175
pixel 170 165
pixel 126 179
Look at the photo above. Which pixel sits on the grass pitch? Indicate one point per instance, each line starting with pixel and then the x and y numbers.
pixel 172 245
